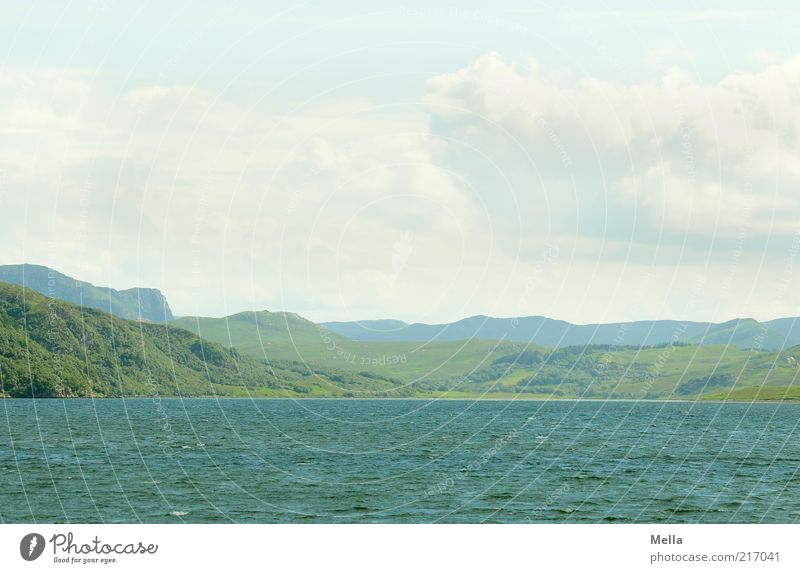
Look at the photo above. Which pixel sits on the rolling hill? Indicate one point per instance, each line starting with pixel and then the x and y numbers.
pixel 723 372
pixel 287 336
pixel 51 348
pixel 503 369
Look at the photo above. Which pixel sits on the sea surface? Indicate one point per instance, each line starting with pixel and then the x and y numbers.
pixel 397 461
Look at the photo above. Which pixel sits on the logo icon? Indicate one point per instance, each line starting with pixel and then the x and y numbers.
pixel 31 546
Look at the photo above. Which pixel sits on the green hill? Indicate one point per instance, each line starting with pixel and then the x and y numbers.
pixel 758 393
pixel 287 336
pixel 666 372
pixel 486 368
pixel 50 348
pixel 262 333
pixel 135 303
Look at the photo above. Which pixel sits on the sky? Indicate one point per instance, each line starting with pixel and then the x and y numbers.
pixel 423 161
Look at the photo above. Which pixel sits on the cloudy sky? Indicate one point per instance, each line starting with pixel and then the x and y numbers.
pixel 418 161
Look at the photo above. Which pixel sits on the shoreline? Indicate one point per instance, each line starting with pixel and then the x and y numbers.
pixel 414 398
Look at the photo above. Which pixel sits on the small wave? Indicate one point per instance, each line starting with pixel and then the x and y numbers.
pixel 500 496
pixel 685 510
pixel 614 518
pixel 179 513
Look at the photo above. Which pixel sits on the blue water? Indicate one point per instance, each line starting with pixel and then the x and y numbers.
pixel 332 461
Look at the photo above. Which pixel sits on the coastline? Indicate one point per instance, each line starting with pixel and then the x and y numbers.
pixel 411 398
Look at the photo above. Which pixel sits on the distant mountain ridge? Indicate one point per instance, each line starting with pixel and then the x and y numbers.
pixel 475 368
pixel 50 348
pixel 285 330
pixel 134 304
pixel 743 333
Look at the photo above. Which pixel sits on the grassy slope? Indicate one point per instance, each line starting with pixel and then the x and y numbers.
pixel 663 372
pixel 50 348
pixel 765 393
pixel 286 336
pixel 465 369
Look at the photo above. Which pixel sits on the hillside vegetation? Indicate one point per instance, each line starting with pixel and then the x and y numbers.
pixel 287 336
pixel 502 369
pixel 51 348
pixel 665 372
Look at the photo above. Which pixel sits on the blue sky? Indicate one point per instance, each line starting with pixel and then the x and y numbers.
pixel 213 43
pixel 419 161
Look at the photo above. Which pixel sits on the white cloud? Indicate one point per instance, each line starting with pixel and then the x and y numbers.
pixel 349 210
pixel 676 149
pixel 227 205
